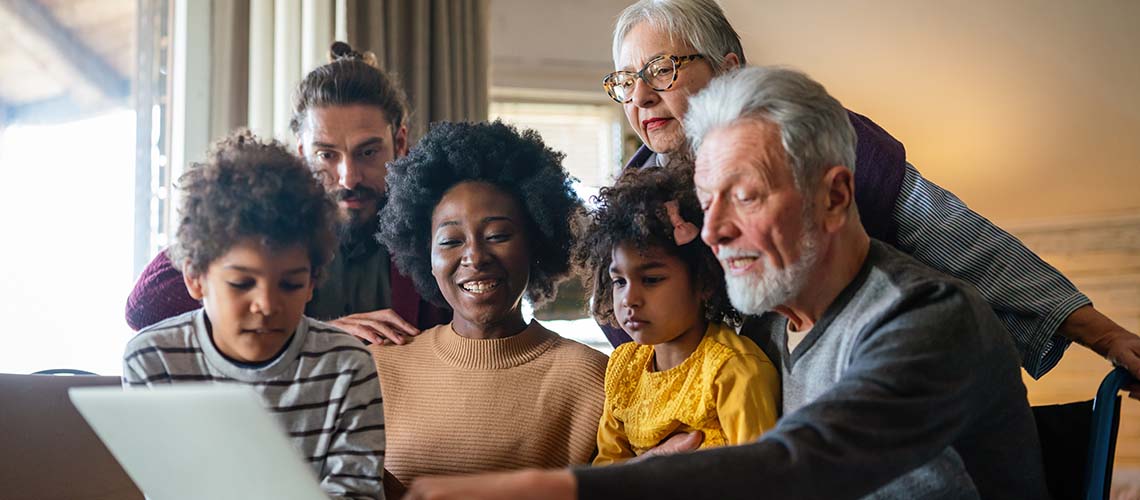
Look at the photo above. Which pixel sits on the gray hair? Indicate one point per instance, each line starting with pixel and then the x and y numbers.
pixel 814 127
pixel 700 23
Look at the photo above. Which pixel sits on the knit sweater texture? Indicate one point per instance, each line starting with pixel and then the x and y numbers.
pixel 455 405
pixel 727 389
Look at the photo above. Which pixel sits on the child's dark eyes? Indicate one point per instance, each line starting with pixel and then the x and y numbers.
pixel 652 280
pixel 618 282
pixel 241 285
pixel 248 285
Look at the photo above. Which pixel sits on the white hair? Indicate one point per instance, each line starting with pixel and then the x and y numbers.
pixel 759 293
pixel 700 23
pixel 814 127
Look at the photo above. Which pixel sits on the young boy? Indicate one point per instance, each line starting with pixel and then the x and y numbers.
pixel 256 231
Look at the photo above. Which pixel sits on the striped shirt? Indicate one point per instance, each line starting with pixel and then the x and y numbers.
pixel 323 389
pixel 1030 297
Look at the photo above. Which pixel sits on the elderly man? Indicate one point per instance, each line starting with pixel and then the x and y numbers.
pixel 666 50
pixel 899 381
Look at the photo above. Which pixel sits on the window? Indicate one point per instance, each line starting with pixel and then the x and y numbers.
pixel 70 201
pixel 591 137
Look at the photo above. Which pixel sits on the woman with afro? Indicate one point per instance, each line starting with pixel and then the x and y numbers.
pixel 479 216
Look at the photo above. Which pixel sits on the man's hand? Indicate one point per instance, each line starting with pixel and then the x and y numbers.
pixel 521 485
pixel 1124 350
pixel 677 443
pixel 1090 328
pixel 377 327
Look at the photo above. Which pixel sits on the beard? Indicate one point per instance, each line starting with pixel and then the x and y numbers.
pixel 354 224
pixel 757 293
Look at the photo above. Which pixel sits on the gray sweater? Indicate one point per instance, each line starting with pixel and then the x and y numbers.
pixel 323 389
pixel 908 386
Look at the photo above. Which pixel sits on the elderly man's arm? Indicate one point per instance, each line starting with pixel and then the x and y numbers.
pixel 919 381
pixel 917 384
pixel 1040 308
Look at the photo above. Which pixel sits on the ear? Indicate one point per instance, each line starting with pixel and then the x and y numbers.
pixel 400 142
pixel 837 195
pixel 731 61
pixel 195 283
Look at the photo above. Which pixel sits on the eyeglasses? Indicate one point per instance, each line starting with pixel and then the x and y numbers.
pixel 659 73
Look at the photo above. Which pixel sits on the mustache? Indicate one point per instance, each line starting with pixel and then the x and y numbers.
pixel 361 193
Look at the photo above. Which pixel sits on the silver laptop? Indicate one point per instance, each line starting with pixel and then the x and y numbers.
pixel 196 441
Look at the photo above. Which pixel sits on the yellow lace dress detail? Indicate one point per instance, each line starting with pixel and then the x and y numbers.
pixel 728 389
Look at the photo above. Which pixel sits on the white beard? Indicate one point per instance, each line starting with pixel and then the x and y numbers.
pixel 759 293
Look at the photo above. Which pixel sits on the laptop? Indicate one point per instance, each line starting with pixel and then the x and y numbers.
pixel 196 441
pixel 47 452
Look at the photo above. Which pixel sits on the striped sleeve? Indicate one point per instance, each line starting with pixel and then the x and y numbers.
pixel 1030 297
pixel 142 366
pixel 354 465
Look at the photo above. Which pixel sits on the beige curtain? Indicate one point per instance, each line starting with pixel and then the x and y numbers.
pixel 259 50
pixel 437 49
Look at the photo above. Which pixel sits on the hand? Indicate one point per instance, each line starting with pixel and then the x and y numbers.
pixel 1123 349
pixel 677 443
pixel 378 327
pixel 521 485
pixel 1090 328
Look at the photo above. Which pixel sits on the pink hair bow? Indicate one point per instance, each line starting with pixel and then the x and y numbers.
pixel 683 231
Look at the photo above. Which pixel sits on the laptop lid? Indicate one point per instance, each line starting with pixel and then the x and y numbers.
pixel 43 439
pixel 195 441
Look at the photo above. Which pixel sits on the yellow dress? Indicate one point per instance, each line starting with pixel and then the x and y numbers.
pixel 727 388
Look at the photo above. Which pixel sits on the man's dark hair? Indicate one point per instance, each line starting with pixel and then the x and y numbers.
pixel 518 163
pixel 249 188
pixel 351 78
pixel 633 211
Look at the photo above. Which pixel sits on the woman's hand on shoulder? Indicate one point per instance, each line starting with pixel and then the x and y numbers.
pixel 377 327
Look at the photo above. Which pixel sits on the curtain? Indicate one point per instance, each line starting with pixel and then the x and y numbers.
pixel 437 49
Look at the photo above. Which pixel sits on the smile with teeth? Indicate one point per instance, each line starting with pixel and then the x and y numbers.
pixel 737 263
pixel 481 286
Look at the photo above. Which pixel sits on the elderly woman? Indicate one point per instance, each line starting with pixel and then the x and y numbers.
pixel 667 50
pixel 478 216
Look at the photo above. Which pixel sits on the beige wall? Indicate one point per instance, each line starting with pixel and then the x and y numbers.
pixel 1027 110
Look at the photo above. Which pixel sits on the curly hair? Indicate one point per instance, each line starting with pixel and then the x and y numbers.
pixel 251 188
pixel 516 162
pixel 633 211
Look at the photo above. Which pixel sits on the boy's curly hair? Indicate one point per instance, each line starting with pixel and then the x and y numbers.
pixel 633 211
pixel 516 162
pixel 249 188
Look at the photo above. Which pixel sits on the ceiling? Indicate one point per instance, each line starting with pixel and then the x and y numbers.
pixel 62 57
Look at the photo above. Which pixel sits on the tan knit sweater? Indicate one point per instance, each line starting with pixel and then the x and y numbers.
pixel 454 405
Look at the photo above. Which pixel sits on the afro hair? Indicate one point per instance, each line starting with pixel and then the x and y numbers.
pixel 516 162
pixel 249 188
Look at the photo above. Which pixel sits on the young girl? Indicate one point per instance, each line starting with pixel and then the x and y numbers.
pixel 687 369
